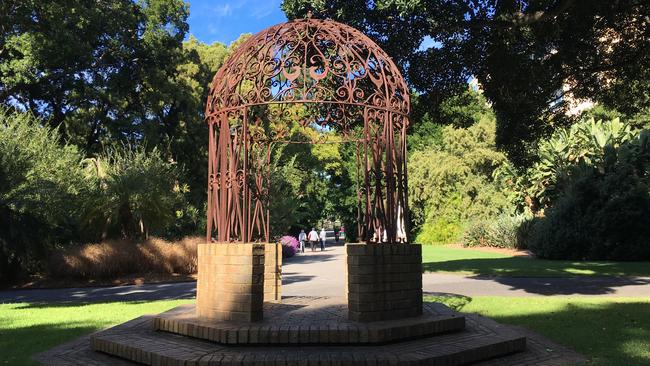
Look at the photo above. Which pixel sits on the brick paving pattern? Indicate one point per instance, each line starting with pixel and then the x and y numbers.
pixel 309 320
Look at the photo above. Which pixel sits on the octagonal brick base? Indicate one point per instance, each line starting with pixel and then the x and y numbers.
pixel 308 321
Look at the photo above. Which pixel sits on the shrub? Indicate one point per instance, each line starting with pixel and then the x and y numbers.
pixel 290 246
pixel 120 257
pixel 503 232
pixel 136 193
pixel 454 183
pixel 439 231
pixel 476 234
pixel 583 142
pixel 41 185
pixel 602 213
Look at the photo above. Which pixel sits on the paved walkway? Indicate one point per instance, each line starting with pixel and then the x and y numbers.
pixel 323 274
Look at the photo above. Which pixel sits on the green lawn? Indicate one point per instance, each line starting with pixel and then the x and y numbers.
pixel 26 329
pixel 613 331
pixel 475 262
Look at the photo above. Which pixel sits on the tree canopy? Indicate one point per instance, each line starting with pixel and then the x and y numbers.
pixel 532 58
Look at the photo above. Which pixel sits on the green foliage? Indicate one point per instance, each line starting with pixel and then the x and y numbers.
pixel 41 183
pixel 501 232
pixel 50 197
pixel 111 73
pixel 585 141
pixel 424 134
pixel 315 183
pixel 439 230
pixel 523 54
pixel 464 109
pixel 602 210
pixel 135 193
pixel 452 183
pixel 461 111
pixel 98 70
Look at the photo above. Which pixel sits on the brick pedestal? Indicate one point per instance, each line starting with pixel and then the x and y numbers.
pixel 272 272
pixel 230 282
pixel 384 281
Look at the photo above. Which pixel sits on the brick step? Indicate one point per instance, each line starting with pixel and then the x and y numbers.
pixel 136 341
pixel 309 321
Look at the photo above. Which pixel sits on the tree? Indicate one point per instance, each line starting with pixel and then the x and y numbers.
pixel 95 70
pixel 453 183
pixel 530 57
pixel 186 140
pixel 462 110
pixel 135 193
pixel 116 72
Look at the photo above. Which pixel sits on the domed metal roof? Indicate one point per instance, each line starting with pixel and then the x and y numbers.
pixel 309 61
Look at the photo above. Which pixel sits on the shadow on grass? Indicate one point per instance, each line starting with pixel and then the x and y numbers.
pixel 18 345
pixel 529 267
pixel 570 285
pixel 609 332
pixel 73 305
pixel 541 277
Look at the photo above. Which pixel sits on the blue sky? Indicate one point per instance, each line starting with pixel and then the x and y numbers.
pixel 225 20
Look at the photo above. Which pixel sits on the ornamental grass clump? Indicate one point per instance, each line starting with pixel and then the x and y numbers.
pixel 289 246
pixel 123 257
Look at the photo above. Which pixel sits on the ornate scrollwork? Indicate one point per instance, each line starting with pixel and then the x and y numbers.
pixel 309 60
pixel 350 90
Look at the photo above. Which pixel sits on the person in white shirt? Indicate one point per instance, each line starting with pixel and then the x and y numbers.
pixel 313 238
pixel 302 238
pixel 323 238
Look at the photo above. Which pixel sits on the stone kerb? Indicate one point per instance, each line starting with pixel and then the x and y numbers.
pixel 384 281
pixel 230 283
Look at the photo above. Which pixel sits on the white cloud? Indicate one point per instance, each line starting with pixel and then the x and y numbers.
pixel 223 10
pixel 262 11
pixel 258 9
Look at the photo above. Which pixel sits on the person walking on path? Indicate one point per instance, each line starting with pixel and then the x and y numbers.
pixel 323 238
pixel 313 238
pixel 302 238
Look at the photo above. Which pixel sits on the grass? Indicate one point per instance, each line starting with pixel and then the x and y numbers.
pixel 609 331
pixel 27 329
pixel 475 262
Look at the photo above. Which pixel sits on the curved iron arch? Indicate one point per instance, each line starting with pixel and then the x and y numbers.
pixel 308 61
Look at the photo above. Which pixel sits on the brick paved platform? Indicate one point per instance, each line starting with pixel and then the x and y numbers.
pixel 138 342
pixel 482 339
pixel 309 320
